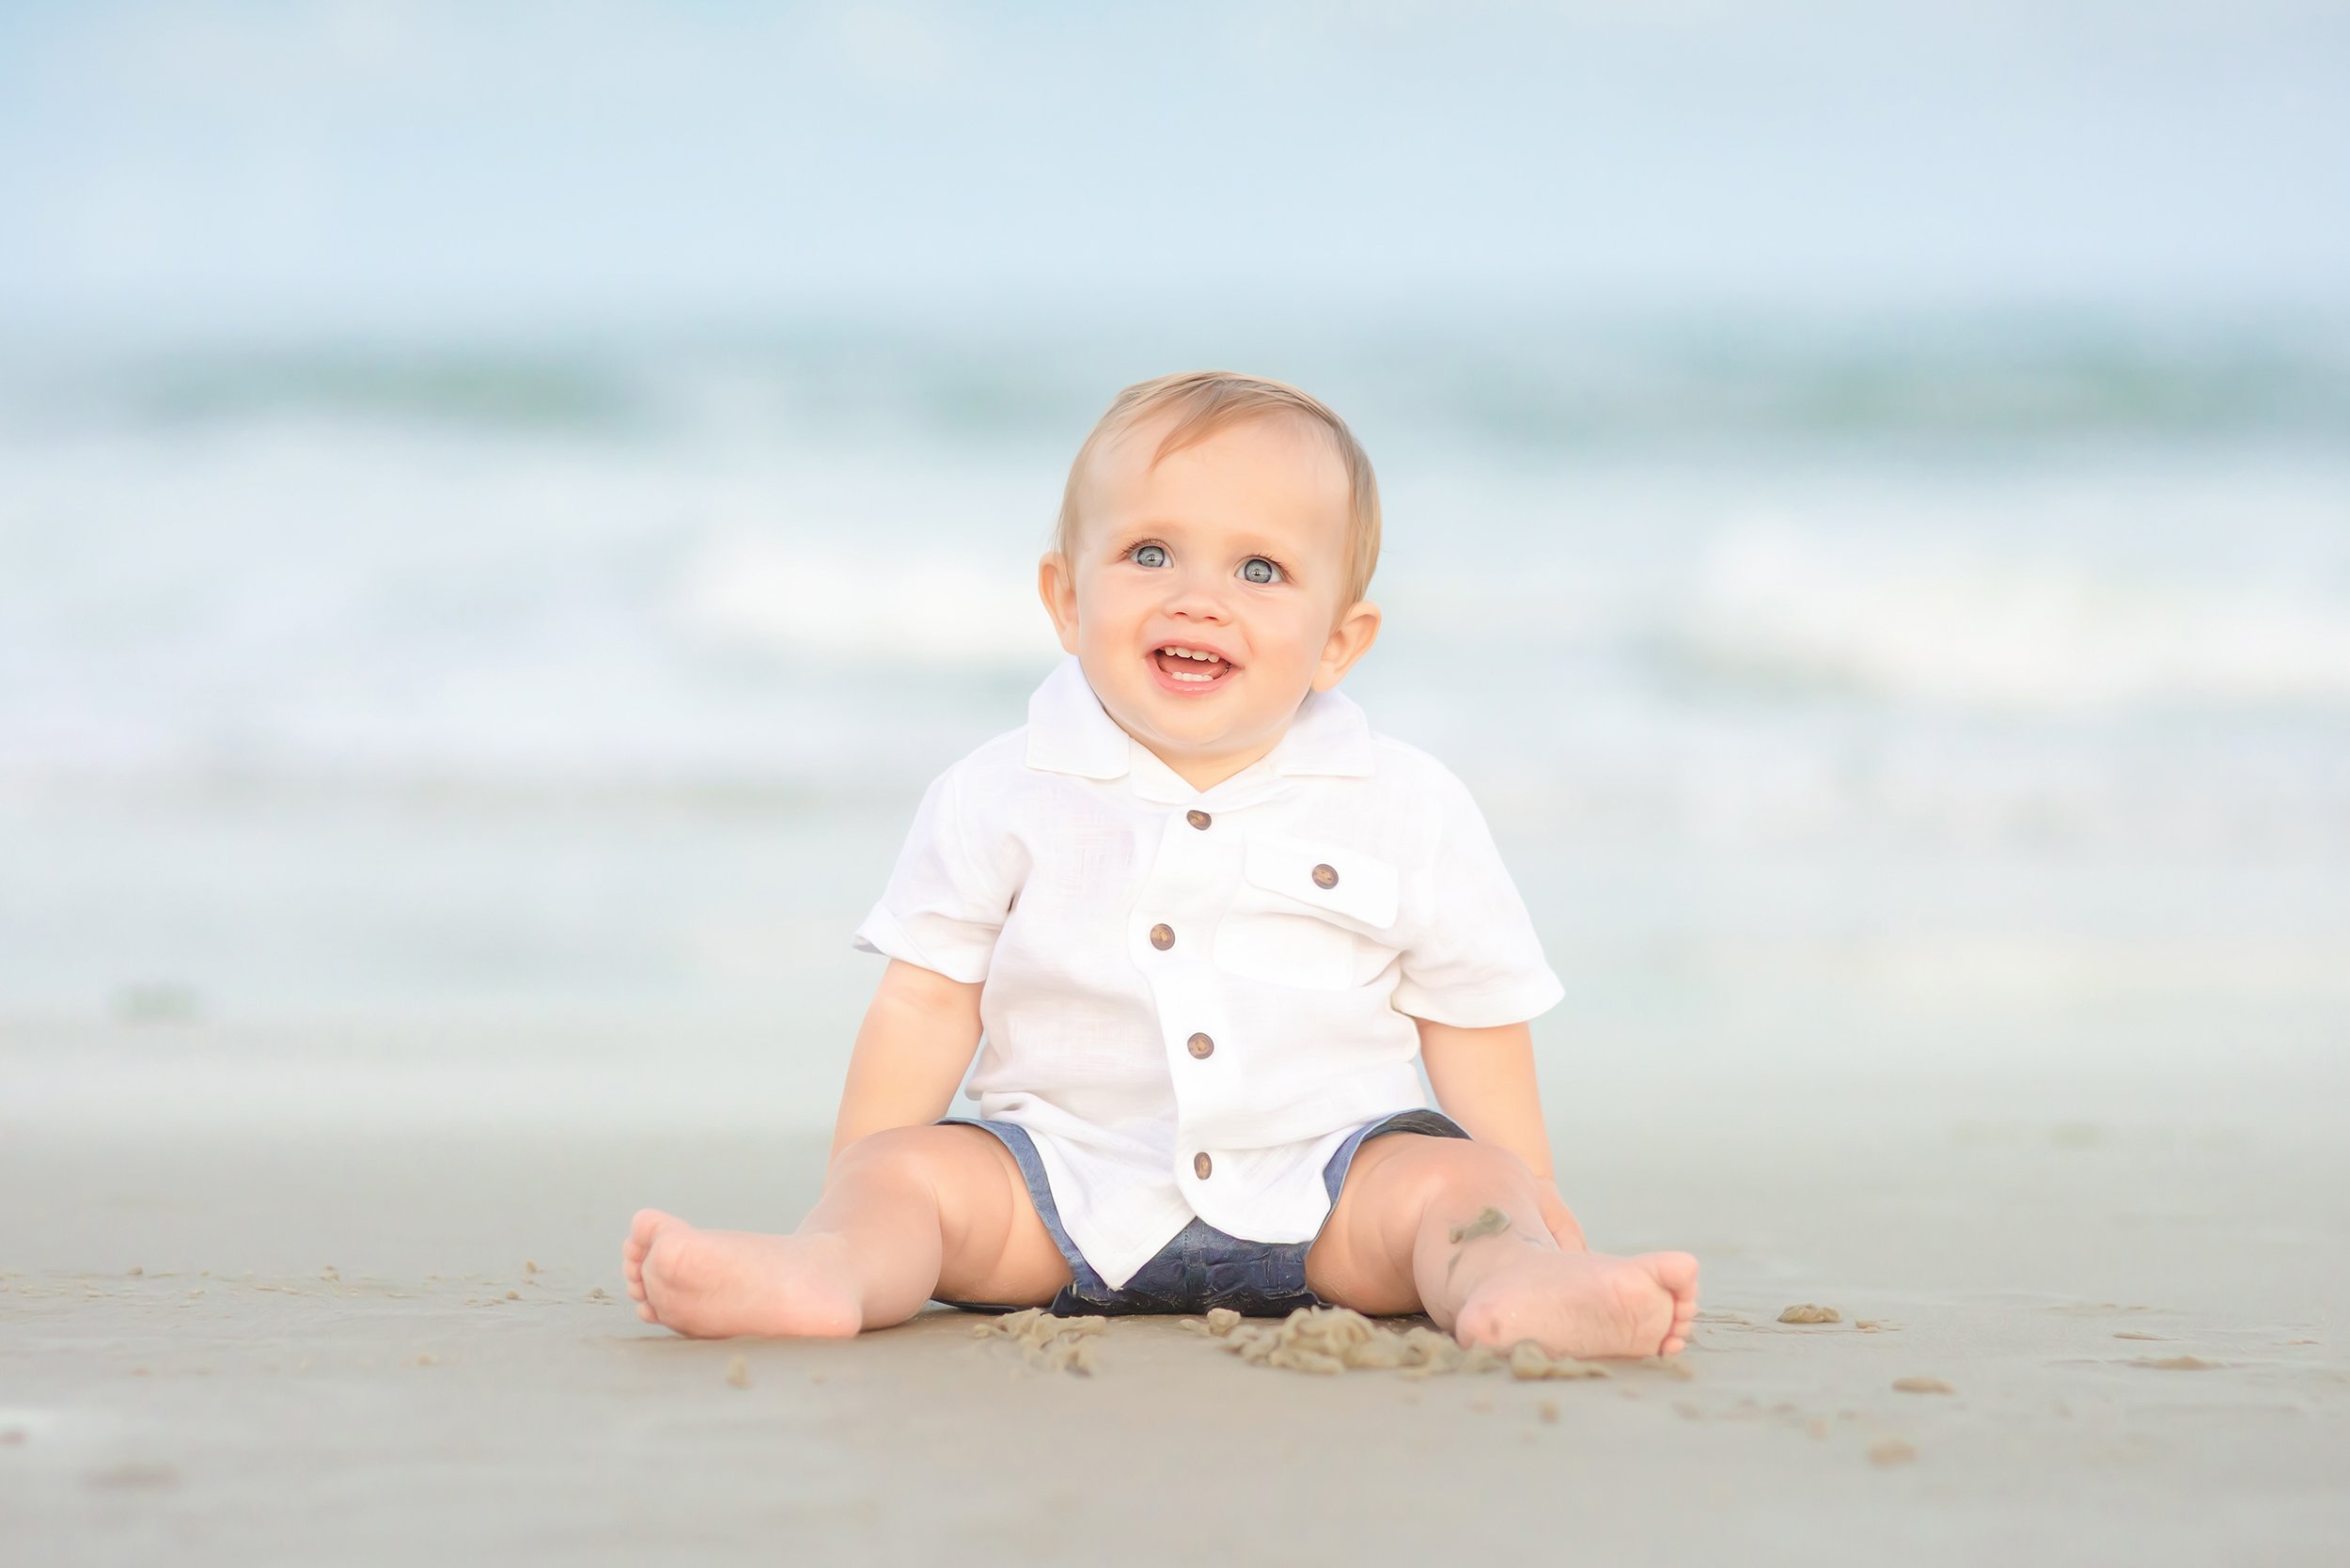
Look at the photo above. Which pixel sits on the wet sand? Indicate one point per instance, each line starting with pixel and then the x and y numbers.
pixel 407 1338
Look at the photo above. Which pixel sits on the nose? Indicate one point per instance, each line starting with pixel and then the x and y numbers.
pixel 1197 593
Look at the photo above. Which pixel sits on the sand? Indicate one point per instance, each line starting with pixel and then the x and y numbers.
pixel 1922 1385
pixel 1052 1343
pixel 1330 1340
pixel 395 1340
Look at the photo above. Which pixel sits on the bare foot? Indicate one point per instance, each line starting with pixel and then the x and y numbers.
pixel 715 1284
pixel 1582 1304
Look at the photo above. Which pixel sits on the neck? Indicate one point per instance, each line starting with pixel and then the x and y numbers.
pixel 1205 773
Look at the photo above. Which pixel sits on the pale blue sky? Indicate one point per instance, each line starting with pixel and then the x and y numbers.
pixel 364 161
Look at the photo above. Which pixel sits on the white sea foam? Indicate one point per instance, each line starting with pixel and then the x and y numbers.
pixel 1946 620
pixel 835 596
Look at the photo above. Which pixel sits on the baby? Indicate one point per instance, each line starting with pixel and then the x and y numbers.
pixel 1206 919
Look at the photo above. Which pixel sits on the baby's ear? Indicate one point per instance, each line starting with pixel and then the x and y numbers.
pixel 1057 586
pixel 1349 640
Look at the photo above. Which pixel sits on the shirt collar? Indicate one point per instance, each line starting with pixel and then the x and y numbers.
pixel 1070 732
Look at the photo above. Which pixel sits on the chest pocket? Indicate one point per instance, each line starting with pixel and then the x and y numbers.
pixel 1309 913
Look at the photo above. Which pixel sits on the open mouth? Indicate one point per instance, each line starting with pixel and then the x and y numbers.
pixel 1190 673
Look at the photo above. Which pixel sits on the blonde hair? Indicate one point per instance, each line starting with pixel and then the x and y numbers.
pixel 1206 401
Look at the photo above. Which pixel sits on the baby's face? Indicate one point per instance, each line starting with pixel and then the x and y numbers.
pixel 1234 547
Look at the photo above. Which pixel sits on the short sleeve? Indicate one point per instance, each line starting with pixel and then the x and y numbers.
pixel 947 897
pixel 1474 961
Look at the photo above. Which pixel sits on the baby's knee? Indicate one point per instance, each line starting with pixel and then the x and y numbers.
pixel 1462 1167
pixel 894 1152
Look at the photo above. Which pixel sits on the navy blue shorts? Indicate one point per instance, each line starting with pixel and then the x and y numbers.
pixel 1203 1266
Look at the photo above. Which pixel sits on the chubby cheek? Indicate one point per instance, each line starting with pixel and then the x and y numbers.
pixel 1287 650
pixel 1110 650
pixel 1101 606
pixel 1111 625
pixel 1107 634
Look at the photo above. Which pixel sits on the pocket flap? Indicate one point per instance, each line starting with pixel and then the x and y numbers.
pixel 1333 878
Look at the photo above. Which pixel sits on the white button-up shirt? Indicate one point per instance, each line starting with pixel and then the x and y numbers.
pixel 1234 972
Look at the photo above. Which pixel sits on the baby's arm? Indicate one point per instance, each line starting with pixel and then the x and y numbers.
pixel 1484 1080
pixel 911 1051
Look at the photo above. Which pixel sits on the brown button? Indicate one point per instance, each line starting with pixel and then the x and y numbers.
pixel 1201 1164
pixel 1326 877
pixel 1198 820
pixel 1202 1045
pixel 1162 937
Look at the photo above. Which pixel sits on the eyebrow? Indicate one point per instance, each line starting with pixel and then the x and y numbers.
pixel 1168 525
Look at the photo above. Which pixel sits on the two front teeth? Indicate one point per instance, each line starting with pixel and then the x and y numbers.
pixel 1191 654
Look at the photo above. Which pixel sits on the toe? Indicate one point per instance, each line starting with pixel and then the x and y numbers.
pixel 1478 1323
pixel 639 1242
pixel 644 1232
pixel 1677 1271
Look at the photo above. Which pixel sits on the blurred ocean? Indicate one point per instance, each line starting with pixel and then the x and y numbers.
pixel 608 670
pixel 1987 575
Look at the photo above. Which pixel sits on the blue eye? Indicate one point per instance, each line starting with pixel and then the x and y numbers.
pixel 1261 569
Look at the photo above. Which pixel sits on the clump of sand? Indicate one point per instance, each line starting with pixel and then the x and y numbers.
pixel 1310 1339
pixel 1337 1339
pixel 1055 1344
pixel 1808 1312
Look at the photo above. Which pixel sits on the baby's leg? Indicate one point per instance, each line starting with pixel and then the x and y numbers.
pixel 909 1213
pixel 1454 1229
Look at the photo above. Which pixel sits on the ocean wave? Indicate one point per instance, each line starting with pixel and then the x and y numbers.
pixel 770 595
pixel 1949 622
